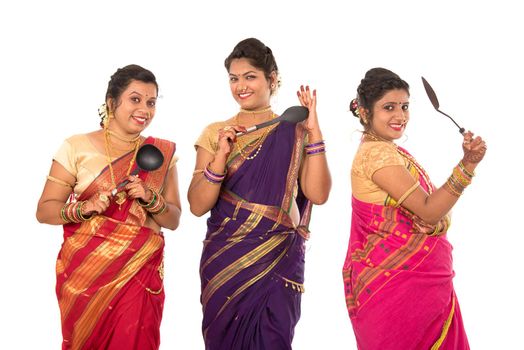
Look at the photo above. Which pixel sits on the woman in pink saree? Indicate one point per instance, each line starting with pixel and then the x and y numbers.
pixel 110 267
pixel 398 270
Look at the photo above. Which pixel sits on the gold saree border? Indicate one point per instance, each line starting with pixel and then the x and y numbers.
pixel 445 327
pixel 240 264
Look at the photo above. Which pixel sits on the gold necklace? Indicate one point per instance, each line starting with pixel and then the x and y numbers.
pixel 256 145
pixel 121 138
pixel 259 111
pixel 122 195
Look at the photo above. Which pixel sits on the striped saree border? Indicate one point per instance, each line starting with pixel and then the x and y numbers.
pixel 294 167
pixel 100 301
pixel 240 264
pixel 273 213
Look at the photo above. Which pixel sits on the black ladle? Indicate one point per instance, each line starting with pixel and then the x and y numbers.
pixel 294 114
pixel 148 158
pixel 434 101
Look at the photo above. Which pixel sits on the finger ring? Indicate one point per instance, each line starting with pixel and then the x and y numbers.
pixel 103 198
pixel 227 128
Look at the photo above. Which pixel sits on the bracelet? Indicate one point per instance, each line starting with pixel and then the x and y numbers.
pixel 213 177
pixel 316 148
pixel 459 180
pixel 317 151
pixel 319 143
pixel 157 205
pixel 151 203
pixel 72 213
pixel 466 171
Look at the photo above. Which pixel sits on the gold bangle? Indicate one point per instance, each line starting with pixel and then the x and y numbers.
pixel 466 171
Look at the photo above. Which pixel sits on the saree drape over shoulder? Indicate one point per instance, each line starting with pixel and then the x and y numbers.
pixel 398 281
pixel 252 266
pixel 110 270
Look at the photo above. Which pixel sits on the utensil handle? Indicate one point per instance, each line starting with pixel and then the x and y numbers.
pixel 259 126
pixel 123 183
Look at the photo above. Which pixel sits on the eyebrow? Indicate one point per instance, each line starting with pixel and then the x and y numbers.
pixel 138 93
pixel 246 73
pixel 395 103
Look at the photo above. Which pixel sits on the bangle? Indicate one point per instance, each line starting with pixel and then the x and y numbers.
pixel 316 152
pixel 459 180
pixel 466 171
pixel 151 203
pixel 213 177
pixel 72 213
pixel 315 148
pixel 319 143
pixel 156 206
pixel 79 211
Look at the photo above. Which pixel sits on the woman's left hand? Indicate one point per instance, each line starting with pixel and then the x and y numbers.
pixel 309 100
pixel 137 189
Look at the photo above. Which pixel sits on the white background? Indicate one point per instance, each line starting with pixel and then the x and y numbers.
pixel 56 59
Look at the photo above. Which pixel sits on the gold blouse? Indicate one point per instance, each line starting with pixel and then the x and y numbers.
pixel 81 159
pixel 372 156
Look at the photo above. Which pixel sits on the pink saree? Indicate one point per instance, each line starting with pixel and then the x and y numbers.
pixel 110 269
pixel 398 282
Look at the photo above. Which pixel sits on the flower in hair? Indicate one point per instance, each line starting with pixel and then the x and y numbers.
pixel 354 107
pixel 102 112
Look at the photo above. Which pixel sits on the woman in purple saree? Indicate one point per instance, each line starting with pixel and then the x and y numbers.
pixel 259 188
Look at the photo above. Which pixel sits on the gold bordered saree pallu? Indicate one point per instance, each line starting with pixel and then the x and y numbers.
pixel 252 266
pixel 110 269
pixel 398 280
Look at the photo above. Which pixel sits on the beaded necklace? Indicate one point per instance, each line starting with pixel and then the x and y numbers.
pixel 257 144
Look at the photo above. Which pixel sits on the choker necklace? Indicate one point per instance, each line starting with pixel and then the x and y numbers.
pixel 373 137
pixel 258 111
pixel 121 138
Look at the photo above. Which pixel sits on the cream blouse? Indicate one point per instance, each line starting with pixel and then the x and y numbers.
pixel 81 159
pixel 372 156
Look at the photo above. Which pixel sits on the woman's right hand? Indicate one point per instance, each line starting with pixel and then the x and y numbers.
pixel 474 149
pixel 226 137
pixel 97 204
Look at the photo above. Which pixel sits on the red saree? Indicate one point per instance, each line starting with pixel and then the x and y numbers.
pixel 398 282
pixel 110 270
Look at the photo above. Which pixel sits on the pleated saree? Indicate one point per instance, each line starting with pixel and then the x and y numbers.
pixel 110 270
pixel 252 266
pixel 398 281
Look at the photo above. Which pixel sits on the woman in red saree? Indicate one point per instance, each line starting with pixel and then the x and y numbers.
pixel 398 270
pixel 110 267
pixel 259 188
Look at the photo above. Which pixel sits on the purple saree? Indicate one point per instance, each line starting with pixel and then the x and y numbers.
pixel 252 266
